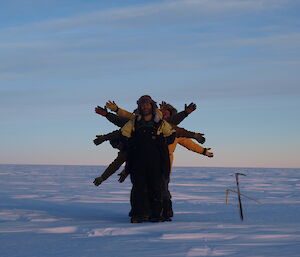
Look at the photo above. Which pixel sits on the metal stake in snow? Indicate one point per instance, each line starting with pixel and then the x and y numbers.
pixel 239 193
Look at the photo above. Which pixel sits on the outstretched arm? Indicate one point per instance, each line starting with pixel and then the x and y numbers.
pixel 113 118
pixel 181 132
pixel 111 169
pixel 179 117
pixel 192 146
pixel 112 136
pixel 121 112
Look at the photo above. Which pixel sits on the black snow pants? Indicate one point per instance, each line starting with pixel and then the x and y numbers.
pixel 146 174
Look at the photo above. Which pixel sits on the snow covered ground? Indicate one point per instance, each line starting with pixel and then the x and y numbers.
pixel 49 210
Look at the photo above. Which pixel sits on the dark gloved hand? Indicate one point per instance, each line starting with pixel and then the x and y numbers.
pixel 101 111
pixel 96 141
pixel 207 153
pixel 99 140
pixel 123 175
pixel 98 181
pixel 190 108
pixel 200 138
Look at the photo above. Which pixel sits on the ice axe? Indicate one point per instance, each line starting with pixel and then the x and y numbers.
pixel 239 194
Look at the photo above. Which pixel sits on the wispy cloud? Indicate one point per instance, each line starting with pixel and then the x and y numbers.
pixel 277 40
pixel 149 38
pixel 96 56
pixel 153 13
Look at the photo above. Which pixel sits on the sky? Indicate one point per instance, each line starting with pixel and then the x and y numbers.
pixel 238 60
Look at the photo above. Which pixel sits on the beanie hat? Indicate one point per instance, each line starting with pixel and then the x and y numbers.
pixel 146 99
pixel 169 107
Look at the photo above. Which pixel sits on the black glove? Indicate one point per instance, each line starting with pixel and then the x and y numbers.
pixel 98 181
pixel 190 108
pixel 123 175
pixel 100 139
pixel 101 111
pixel 200 138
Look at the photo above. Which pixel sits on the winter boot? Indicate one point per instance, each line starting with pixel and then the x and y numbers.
pixel 137 219
pixel 167 210
pixel 156 219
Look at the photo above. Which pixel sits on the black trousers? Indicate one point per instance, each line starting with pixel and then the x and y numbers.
pixel 147 189
pixel 166 197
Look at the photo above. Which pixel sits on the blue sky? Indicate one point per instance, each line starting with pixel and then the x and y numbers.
pixel 238 60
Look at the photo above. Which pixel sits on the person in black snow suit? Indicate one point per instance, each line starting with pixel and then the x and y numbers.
pixel 147 138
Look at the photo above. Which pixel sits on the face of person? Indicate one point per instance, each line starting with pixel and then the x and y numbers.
pixel 146 108
pixel 166 113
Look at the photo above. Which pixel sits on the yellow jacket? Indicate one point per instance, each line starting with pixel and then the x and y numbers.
pixel 165 128
pixel 123 113
pixel 187 143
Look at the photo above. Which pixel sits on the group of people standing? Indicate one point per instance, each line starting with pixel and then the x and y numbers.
pixel 146 143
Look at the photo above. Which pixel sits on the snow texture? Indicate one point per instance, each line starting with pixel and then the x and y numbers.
pixel 52 210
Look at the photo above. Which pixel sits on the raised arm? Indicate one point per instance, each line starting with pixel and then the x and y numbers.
pixel 179 117
pixel 121 112
pixel 113 118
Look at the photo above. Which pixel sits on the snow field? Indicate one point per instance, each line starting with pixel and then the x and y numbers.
pixel 52 210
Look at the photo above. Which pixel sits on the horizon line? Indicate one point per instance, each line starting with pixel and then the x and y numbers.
pixel 94 165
